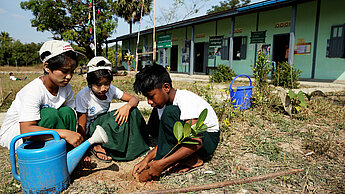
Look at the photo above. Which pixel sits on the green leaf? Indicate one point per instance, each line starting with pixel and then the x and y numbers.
pixel 300 96
pixel 186 130
pixel 202 128
pixel 178 130
pixel 292 94
pixel 190 122
pixel 303 104
pixel 201 118
pixel 190 142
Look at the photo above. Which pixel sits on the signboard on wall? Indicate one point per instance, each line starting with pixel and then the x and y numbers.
pixel 164 41
pixel 215 41
pixel 258 37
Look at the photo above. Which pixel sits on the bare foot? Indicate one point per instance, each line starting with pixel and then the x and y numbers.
pixel 187 164
pixel 86 162
pixel 101 153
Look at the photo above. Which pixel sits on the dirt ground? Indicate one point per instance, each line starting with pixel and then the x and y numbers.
pixel 102 178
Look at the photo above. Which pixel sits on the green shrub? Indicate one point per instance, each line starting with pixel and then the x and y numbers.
pixel 261 70
pixel 223 73
pixel 282 75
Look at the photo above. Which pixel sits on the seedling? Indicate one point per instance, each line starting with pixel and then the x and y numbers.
pixel 183 133
pixel 298 100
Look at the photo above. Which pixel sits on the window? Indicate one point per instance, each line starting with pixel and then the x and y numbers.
pixel 225 49
pixel 240 47
pixel 337 42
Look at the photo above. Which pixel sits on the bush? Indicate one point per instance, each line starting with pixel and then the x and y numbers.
pixel 261 70
pixel 223 73
pixel 282 75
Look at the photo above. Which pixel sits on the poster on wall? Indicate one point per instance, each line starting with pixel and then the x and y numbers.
pixel 215 46
pixel 266 48
pixel 302 48
pixel 185 52
pixel 163 57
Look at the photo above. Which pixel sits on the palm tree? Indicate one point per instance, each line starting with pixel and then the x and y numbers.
pixel 5 38
pixel 130 10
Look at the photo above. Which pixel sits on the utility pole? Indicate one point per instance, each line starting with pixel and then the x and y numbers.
pixel 94 27
pixel 154 31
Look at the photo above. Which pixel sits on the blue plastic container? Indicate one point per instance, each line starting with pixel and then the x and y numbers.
pixel 241 96
pixel 42 165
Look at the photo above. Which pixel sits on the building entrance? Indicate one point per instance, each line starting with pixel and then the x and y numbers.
pixel 200 56
pixel 280 47
pixel 173 58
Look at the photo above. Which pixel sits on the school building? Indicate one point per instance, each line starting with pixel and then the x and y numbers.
pixel 307 33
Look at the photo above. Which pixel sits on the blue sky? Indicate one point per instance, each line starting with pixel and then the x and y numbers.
pixel 16 21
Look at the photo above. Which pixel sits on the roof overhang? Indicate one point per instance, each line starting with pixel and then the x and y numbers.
pixel 252 8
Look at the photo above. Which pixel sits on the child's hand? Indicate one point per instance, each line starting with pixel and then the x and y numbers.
pixel 122 114
pixel 138 168
pixel 155 168
pixel 72 137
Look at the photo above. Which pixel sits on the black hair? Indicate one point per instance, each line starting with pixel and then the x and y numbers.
pixel 150 78
pixel 94 76
pixel 11 73
pixel 60 60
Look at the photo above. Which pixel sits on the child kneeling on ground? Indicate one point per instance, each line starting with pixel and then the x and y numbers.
pixel 123 126
pixel 173 105
pixel 47 102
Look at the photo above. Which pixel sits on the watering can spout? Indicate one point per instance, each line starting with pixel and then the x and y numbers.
pixel 75 155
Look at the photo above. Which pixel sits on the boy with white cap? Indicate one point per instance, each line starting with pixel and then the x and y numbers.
pixel 122 126
pixel 47 102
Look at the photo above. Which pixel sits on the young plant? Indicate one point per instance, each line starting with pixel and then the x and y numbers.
pixel 261 69
pixel 223 73
pixel 297 100
pixel 129 59
pixel 183 133
pixel 285 75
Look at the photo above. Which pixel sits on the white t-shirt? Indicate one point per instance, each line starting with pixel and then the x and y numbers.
pixel 191 105
pixel 27 106
pixel 87 102
pixel 12 77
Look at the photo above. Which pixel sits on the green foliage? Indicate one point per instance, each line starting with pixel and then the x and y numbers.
pixel 68 20
pixel 129 59
pixel 15 53
pixel 184 133
pixel 229 4
pixel 131 10
pixel 298 100
pixel 261 70
pixel 223 73
pixel 282 75
pixel 112 55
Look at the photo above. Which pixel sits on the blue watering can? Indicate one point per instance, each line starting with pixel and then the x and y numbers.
pixel 45 166
pixel 242 95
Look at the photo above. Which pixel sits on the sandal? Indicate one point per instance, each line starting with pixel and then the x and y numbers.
pixel 94 152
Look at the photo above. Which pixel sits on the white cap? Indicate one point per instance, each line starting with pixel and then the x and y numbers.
pixel 55 48
pixel 98 63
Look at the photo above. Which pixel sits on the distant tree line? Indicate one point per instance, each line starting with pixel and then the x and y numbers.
pixel 13 52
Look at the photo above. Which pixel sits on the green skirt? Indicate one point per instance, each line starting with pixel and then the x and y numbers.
pixel 126 142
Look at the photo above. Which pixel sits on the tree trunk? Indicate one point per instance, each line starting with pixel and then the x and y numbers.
pixel 89 52
pixel 130 27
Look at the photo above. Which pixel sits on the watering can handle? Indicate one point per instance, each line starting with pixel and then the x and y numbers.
pixel 240 76
pixel 16 138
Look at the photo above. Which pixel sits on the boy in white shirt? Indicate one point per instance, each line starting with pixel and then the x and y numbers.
pixel 155 83
pixel 47 102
